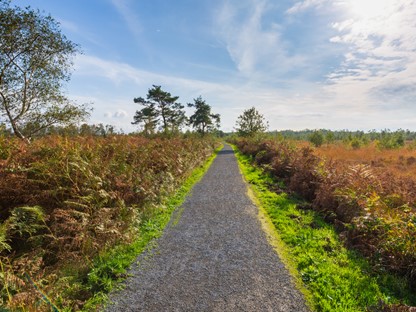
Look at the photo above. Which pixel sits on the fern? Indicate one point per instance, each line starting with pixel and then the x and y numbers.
pixel 26 221
pixel 4 246
pixel 68 199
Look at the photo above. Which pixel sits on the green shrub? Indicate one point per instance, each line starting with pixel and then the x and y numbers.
pixel 316 138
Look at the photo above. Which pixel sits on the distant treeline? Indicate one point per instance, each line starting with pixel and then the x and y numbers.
pixel 325 135
pixel 72 130
pixel 99 130
pixel 383 138
pixel 340 135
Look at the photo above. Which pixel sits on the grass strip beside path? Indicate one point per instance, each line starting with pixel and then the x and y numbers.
pixel 110 268
pixel 336 279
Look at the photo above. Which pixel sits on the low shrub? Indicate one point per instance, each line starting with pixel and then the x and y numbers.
pixel 65 200
pixel 373 208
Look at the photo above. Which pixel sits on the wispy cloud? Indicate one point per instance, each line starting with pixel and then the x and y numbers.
pixel 318 109
pixel 381 61
pixel 255 46
pixel 72 27
pixel 120 73
pixel 304 5
pixel 227 99
pixel 378 70
pixel 130 18
pixel 302 63
pixel 69 26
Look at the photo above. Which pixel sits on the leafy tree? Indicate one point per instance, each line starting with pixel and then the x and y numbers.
pixel 316 138
pixel 202 119
pixel 391 140
pixel 35 60
pixel 96 130
pixel 329 137
pixel 160 107
pixel 251 122
pixel 148 116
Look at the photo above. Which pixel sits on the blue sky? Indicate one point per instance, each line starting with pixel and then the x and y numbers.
pixel 334 64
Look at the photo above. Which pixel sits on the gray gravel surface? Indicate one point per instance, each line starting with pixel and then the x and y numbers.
pixel 214 257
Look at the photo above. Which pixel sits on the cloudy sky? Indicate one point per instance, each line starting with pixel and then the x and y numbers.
pixel 334 64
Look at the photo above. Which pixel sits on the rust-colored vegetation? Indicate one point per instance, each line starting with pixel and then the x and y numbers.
pixel 65 200
pixel 367 193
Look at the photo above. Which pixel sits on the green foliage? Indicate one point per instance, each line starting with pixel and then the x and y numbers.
pixel 25 222
pixel 110 267
pixel 355 143
pixel 389 140
pixel 330 137
pixel 356 140
pixel 316 138
pixel 96 193
pixel 4 244
pixel 386 139
pixel 202 119
pixel 160 107
pixel 35 58
pixel 374 209
pixel 338 279
pixel 251 122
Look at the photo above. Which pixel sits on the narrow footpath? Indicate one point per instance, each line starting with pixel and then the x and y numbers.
pixel 213 256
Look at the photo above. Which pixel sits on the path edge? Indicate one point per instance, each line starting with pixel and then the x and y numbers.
pixel 171 215
pixel 272 235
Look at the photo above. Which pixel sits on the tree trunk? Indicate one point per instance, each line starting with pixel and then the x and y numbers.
pixel 19 134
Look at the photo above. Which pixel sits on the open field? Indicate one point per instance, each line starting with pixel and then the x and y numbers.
pixel 399 162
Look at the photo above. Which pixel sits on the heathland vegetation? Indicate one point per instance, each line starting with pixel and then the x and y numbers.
pixel 67 201
pixel 366 192
pixel 78 203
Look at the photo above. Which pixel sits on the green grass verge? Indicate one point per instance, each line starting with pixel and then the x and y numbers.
pixel 335 278
pixel 109 269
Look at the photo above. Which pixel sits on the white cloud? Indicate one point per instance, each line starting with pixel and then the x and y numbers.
pixel 305 5
pixel 119 114
pixel 255 47
pixel 376 74
pixel 68 25
pixel 341 26
pixel 120 73
pixel 381 54
pixel 379 67
pixel 229 100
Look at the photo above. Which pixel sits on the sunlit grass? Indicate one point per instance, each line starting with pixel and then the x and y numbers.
pixel 111 266
pixel 337 279
pixel 66 202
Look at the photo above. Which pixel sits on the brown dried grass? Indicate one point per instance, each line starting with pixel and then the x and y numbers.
pixel 369 194
pixel 83 195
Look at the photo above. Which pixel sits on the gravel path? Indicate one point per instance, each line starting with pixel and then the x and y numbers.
pixel 214 257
